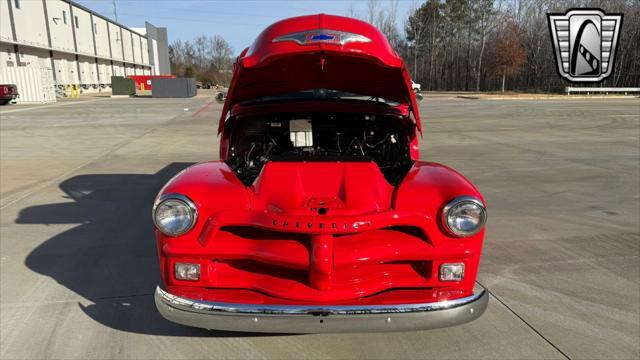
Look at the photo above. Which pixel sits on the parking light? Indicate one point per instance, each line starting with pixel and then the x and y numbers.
pixel 452 272
pixel 187 271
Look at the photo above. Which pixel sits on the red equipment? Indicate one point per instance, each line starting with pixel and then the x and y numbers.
pixel 143 82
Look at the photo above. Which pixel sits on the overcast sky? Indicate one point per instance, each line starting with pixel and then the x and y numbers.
pixel 239 21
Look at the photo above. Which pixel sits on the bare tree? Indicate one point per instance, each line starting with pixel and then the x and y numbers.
pixel 200 48
pixel 351 11
pixel 385 18
pixel 208 58
pixel 506 54
pixel 453 43
pixel 487 22
pixel 372 11
pixel 221 52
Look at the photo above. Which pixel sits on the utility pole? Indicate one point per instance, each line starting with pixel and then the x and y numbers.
pixel 415 56
pixel 416 44
pixel 115 10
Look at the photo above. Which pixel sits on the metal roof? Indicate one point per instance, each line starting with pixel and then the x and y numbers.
pixel 75 4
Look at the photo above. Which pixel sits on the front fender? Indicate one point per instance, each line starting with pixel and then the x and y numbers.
pixel 213 187
pixel 428 187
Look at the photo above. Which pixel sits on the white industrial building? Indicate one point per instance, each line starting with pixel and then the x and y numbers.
pixel 69 44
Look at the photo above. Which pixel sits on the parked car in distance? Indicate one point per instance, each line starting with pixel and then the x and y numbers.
pixel 319 215
pixel 221 96
pixel 8 93
pixel 416 87
pixel 203 84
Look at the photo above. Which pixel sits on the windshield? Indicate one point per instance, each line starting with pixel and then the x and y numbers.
pixel 321 94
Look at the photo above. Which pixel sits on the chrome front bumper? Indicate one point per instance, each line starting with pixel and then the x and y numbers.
pixel 320 319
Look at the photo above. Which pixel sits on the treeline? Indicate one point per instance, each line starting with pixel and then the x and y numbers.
pixel 470 45
pixel 488 45
pixel 207 58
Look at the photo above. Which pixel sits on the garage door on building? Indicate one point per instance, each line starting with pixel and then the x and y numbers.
pixel 118 69
pixel 104 70
pixel 88 71
pixel 129 70
pixel 66 68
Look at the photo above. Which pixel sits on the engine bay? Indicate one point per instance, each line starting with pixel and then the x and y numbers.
pixel 319 136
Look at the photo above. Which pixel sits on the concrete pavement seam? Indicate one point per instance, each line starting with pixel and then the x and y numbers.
pixel 526 323
pixel 71 171
pixel 52 105
pixel 116 147
pixel 101 298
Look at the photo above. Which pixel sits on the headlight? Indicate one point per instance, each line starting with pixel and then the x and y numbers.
pixel 464 216
pixel 174 214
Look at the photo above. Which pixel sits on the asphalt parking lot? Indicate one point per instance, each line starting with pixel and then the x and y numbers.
pixel 561 258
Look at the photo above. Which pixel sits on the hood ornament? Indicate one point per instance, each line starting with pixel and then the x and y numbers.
pixel 322 36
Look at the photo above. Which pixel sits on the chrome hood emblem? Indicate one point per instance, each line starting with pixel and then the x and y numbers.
pixel 322 36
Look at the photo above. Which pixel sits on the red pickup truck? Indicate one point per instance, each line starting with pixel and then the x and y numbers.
pixel 8 93
pixel 319 215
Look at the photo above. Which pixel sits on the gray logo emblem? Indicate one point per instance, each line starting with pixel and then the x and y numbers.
pixel 322 36
pixel 585 43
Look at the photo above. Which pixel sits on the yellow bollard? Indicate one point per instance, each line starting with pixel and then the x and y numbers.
pixel 77 91
pixel 142 86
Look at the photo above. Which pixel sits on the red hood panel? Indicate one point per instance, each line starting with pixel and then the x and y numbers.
pixel 272 66
pixel 329 69
pixel 321 188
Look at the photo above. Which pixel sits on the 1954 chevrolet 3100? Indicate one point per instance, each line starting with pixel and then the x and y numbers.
pixel 319 216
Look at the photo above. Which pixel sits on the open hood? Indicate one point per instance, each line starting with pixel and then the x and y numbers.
pixel 320 52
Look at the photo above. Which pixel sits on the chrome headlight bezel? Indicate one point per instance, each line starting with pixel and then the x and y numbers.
pixel 454 204
pixel 191 206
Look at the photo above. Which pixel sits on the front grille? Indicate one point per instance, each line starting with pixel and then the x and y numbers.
pixel 320 267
